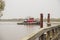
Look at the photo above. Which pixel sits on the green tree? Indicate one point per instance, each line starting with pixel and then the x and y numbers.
pixel 2 5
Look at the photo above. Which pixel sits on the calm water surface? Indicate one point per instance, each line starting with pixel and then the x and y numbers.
pixel 12 31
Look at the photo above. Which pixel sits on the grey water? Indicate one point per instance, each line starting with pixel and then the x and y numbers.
pixel 12 31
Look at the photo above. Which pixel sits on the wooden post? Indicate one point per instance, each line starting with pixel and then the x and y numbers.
pixel 48 20
pixel 41 26
pixel 48 24
pixel 48 35
pixel 53 33
pixel 56 32
pixel 41 20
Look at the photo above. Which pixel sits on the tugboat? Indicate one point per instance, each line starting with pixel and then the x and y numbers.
pixel 30 21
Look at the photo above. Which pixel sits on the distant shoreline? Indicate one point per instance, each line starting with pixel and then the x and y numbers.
pixel 19 20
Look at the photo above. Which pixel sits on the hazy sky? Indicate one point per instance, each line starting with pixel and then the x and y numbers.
pixel 25 8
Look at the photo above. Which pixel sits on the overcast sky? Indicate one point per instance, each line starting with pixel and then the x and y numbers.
pixel 25 8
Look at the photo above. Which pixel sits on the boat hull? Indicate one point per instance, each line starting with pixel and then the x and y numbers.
pixel 28 23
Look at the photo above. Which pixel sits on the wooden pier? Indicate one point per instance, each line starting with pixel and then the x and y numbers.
pixel 51 32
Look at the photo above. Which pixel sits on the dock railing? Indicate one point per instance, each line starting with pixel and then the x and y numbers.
pixel 47 33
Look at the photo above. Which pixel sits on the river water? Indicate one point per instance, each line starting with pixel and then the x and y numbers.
pixel 12 31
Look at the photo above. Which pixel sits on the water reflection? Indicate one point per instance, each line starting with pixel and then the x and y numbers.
pixel 12 31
